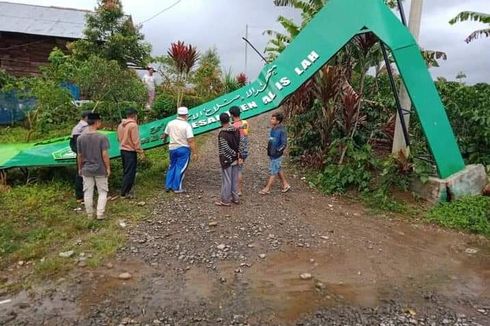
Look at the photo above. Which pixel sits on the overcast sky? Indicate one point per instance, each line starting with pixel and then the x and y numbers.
pixel 221 24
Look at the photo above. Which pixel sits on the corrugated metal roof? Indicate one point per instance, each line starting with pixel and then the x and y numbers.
pixel 39 20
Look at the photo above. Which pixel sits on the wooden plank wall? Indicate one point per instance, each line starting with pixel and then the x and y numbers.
pixel 22 54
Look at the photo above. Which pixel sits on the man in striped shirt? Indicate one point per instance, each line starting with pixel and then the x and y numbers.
pixel 230 157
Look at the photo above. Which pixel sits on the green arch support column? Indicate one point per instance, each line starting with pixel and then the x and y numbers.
pixel 422 91
pixel 321 39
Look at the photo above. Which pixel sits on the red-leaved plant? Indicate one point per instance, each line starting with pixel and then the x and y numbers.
pixel 242 79
pixel 185 57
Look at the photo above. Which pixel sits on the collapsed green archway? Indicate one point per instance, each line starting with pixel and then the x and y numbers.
pixel 320 40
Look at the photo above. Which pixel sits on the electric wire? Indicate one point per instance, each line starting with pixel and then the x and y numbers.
pixel 161 11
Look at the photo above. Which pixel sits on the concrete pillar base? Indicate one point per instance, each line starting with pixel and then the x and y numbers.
pixel 468 182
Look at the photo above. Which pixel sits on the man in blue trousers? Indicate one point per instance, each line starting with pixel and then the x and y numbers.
pixel 181 145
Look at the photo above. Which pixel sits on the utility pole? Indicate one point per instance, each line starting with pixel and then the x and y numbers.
pixel 398 139
pixel 246 50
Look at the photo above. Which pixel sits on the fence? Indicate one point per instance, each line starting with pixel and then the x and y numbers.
pixel 14 108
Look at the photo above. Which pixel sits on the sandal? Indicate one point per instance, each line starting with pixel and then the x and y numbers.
pixel 286 189
pixel 220 203
pixel 262 192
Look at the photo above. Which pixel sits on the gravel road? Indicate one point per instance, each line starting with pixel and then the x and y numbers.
pixel 299 258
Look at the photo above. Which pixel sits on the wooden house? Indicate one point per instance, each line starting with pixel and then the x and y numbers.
pixel 28 33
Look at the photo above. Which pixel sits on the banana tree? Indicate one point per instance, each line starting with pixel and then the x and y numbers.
pixel 474 16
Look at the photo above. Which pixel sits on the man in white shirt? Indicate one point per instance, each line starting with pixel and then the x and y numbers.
pixel 181 144
pixel 149 82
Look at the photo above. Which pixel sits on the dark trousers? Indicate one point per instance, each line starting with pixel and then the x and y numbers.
pixel 78 186
pixel 129 161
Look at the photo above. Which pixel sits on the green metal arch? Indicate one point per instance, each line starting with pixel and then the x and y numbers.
pixel 320 40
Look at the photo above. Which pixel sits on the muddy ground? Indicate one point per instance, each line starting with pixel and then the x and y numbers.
pixel 196 264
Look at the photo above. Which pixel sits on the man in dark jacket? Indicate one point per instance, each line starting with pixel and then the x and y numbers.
pixel 230 156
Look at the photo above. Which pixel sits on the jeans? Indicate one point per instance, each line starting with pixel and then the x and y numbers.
pixel 102 184
pixel 275 165
pixel 179 161
pixel 229 184
pixel 129 162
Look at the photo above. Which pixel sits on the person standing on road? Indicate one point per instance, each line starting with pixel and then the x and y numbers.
pixel 79 128
pixel 149 81
pixel 94 165
pixel 242 127
pixel 130 146
pixel 230 151
pixel 181 145
pixel 278 142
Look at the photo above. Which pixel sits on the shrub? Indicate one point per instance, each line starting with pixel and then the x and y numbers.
pixel 355 172
pixel 164 106
pixel 468 213
pixel 468 108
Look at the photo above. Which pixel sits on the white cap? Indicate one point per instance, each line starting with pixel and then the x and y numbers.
pixel 182 111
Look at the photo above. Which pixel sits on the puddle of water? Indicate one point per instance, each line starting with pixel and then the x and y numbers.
pixel 104 283
pixel 44 307
pixel 358 278
pixel 198 284
pixel 277 282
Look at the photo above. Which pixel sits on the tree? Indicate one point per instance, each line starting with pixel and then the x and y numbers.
pixel 110 34
pixel 208 76
pixel 475 16
pixel 110 87
pixel 460 76
pixel 5 79
pixel 280 40
pixel 184 58
pixel 331 105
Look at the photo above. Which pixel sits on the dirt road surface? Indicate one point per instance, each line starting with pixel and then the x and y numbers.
pixel 196 264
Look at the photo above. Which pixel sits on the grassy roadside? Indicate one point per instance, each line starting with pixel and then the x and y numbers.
pixel 18 134
pixel 39 221
pixel 470 214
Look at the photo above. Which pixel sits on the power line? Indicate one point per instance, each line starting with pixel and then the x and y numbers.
pixel 162 11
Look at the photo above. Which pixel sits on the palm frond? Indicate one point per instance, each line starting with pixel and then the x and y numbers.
pixel 432 56
pixel 289 26
pixel 472 16
pixel 477 34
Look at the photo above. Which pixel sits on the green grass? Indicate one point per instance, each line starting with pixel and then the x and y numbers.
pixel 18 134
pixel 38 219
pixel 468 213
pixel 379 201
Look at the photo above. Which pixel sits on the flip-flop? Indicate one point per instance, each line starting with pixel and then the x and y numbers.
pixel 264 192
pixel 286 189
pixel 220 203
